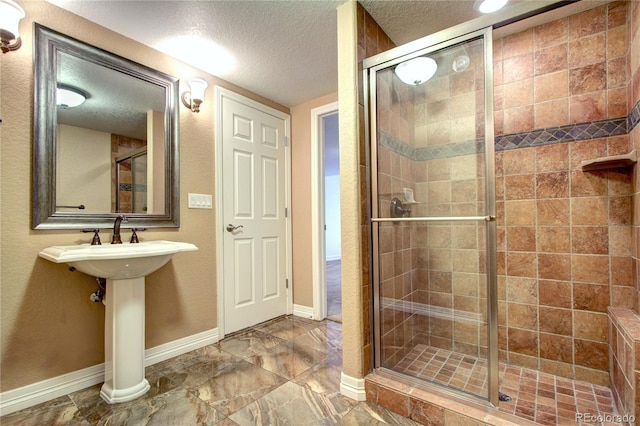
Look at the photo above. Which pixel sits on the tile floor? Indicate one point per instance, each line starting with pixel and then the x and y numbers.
pixel 286 371
pixel 334 290
pixel 540 397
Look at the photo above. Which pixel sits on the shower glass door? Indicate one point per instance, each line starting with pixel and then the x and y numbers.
pixel 433 214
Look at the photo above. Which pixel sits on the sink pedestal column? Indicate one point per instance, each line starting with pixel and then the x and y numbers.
pixel 124 341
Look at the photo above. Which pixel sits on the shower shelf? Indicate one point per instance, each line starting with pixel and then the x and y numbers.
pixel 610 162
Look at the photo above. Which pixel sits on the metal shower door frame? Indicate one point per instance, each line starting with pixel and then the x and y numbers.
pixel 389 59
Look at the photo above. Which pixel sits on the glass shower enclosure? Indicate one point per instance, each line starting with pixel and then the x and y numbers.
pixel 433 212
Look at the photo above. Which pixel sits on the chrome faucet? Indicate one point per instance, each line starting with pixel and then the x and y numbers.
pixel 116 229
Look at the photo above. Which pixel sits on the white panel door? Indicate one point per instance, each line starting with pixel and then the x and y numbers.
pixel 255 227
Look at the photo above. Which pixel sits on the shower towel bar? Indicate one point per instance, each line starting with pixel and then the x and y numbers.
pixel 433 219
pixel 81 207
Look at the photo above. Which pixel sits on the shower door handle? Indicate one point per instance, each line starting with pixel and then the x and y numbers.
pixel 231 228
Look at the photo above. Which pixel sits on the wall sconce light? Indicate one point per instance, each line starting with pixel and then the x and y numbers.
pixel 195 97
pixel 10 15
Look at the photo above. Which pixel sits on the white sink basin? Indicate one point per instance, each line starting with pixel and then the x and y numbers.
pixel 124 266
pixel 117 261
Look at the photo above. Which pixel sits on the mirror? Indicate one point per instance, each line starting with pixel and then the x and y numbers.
pixel 114 153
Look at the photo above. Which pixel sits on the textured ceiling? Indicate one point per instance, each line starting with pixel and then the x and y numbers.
pixel 285 50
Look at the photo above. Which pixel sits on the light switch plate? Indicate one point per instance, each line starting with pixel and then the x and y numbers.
pixel 200 201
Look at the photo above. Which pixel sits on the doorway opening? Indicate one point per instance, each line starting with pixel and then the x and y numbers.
pixel 332 215
pixel 325 213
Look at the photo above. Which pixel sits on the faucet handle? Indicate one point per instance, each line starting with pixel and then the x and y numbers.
pixel 134 236
pixel 96 238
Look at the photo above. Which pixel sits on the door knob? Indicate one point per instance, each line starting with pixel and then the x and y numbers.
pixel 231 228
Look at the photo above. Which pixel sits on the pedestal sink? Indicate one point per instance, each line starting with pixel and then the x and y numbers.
pixel 125 267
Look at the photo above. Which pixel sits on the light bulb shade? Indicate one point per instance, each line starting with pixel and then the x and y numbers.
pixel 198 87
pixel 10 15
pixel 490 6
pixel 417 70
pixel 69 97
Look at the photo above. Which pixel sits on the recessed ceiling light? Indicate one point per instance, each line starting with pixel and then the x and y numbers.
pixel 490 6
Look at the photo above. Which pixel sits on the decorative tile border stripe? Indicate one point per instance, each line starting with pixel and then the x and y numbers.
pixel 560 134
pixel 547 136
pixel 634 117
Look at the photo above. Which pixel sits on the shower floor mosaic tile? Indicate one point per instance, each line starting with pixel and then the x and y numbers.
pixel 535 396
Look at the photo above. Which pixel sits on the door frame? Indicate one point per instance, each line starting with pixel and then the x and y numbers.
pixel 318 238
pixel 220 94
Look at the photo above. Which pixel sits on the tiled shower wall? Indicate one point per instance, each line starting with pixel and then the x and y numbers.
pixel 564 235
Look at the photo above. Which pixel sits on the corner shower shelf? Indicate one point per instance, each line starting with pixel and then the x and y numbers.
pixel 611 162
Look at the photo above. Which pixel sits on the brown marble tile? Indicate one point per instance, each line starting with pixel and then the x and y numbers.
pixel 586 150
pixel 587 107
pixel 523 341
pixel 588 184
pixel 552 158
pixel 617 103
pixel 590 268
pixel 616 73
pixel 587 50
pixel 557 348
pixel 520 212
pixel 519 187
pixel 616 42
pixel 519 161
pixel 551 86
pixel 524 316
pixel 518 119
pixel 586 23
pixel 556 321
pixel 426 413
pixel 60 411
pixel 551 113
pixel 518 68
pixel 554 266
pixel 590 78
pixel 550 34
pixel 616 14
pixel 621 271
pixel 521 264
pixel 552 185
pixel 589 211
pixel 518 93
pixel 550 60
pixel 517 44
pixel 590 239
pixel 590 297
pixel 555 293
pixel 521 238
pixel 394 401
pixel 591 354
pixel 553 211
pixel 522 290
pixel 590 326
pixel 620 210
pixel 553 239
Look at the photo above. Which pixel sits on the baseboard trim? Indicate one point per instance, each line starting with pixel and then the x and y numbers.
pixel 352 388
pixel 303 311
pixel 46 390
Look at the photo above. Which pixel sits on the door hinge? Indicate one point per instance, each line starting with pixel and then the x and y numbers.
pixel 286 141
pixel 287 282
pixel 286 212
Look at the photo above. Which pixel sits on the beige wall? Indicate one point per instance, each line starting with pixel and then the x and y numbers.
pixel 301 197
pixel 49 326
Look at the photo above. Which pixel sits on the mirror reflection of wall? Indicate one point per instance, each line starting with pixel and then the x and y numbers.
pixel 83 169
pixel 129 175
